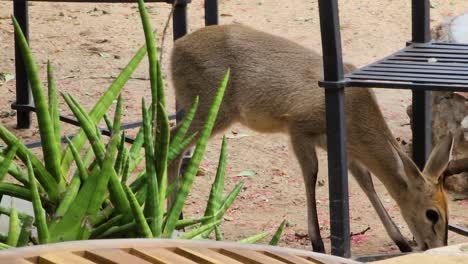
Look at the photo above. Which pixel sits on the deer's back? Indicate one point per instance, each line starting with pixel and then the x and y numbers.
pixel 272 79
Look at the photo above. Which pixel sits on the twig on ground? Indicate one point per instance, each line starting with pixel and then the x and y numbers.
pixel 360 233
pixel 356 234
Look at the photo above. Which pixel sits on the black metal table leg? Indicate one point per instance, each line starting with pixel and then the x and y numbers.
pixel 420 14
pixel 23 90
pixel 336 128
pixel 337 173
pixel 211 12
pixel 180 20
pixel 421 127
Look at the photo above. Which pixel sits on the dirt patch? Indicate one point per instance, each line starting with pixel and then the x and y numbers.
pixel 90 43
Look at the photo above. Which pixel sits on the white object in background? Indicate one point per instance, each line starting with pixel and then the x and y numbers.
pixel 20 205
pixel 459 29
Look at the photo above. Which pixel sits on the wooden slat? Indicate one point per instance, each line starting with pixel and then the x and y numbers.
pixel 207 254
pixel 63 258
pixel 159 251
pixel 291 259
pixel 160 256
pixel 113 256
pixel 249 256
pixel 426 259
pixel 17 261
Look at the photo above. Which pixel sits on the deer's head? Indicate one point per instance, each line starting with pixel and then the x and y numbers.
pixel 423 202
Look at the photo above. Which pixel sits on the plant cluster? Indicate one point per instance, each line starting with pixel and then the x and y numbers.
pixel 90 187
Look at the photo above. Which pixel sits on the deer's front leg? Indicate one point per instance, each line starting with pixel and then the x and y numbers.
pixel 304 148
pixel 364 179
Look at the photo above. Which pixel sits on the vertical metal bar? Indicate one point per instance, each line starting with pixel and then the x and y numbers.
pixel 336 129
pixel 420 14
pixel 23 90
pixel 211 12
pixel 421 127
pixel 331 40
pixel 337 173
pixel 179 22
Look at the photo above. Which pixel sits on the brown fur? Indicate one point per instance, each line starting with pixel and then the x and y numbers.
pixel 273 87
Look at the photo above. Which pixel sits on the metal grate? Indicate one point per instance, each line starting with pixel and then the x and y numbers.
pixel 440 66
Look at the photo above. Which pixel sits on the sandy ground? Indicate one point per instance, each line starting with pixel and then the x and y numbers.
pixel 90 43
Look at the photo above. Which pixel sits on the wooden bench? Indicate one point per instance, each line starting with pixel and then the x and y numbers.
pixel 140 251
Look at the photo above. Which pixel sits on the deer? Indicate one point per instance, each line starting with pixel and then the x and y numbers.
pixel 273 88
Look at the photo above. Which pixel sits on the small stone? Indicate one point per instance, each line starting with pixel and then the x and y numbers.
pixel 321 182
pixel 201 172
pixel 300 235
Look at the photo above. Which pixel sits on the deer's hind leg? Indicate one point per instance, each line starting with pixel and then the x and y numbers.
pixel 304 148
pixel 364 179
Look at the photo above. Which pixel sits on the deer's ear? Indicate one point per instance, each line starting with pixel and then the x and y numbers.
pixel 413 174
pixel 439 159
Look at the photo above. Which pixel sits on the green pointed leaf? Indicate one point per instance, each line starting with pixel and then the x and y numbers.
pixel 219 234
pixel 51 150
pixel 14 228
pixel 276 237
pixel 6 163
pixel 39 213
pixel 192 167
pixel 43 176
pixel 184 126
pixel 152 197
pixel 53 102
pixel 138 215
pixel 26 230
pixel 254 239
pixel 198 231
pixel 75 223
pixel 104 103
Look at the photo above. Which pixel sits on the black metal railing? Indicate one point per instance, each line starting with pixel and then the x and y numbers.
pixel 422 66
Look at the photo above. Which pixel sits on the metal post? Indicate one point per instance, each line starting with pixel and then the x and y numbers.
pixel 336 129
pixel 211 12
pixel 180 29
pixel 420 13
pixel 23 90
pixel 422 127
pixel 179 22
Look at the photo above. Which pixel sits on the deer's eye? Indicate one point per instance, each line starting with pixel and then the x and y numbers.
pixel 433 216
